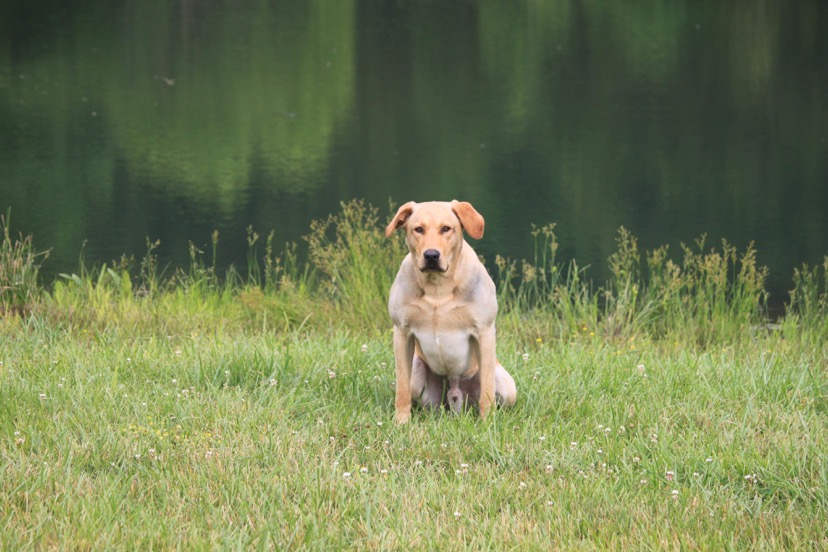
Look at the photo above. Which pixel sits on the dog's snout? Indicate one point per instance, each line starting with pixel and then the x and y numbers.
pixel 431 255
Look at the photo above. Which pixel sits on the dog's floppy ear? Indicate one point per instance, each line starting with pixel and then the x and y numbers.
pixel 471 220
pixel 399 219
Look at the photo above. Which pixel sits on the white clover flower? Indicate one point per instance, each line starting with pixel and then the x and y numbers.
pixel 525 357
pixel 363 469
pixel 346 475
pixel 364 348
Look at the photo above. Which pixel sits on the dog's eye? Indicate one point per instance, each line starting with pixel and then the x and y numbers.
pixel 445 229
pixel 419 230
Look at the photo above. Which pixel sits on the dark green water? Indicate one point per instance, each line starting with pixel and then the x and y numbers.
pixel 126 120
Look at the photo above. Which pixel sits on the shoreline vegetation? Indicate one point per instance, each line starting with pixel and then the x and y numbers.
pixel 711 293
pixel 662 409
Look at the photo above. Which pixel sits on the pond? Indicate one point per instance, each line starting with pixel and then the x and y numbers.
pixel 123 121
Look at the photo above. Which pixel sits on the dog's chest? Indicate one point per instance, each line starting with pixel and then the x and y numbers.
pixel 445 334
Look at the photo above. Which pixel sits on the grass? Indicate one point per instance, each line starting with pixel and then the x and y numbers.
pixel 658 411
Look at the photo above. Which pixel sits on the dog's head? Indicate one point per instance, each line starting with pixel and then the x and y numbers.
pixel 434 231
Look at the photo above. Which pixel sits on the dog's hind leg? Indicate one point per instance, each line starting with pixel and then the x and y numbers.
pixel 426 386
pixel 505 389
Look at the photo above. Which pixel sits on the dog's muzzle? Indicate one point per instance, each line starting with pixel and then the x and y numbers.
pixel 431 261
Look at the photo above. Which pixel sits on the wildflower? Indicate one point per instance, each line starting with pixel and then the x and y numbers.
pixel 175 380
pixel 364 348
pixel 550 468
pixel 379 424
pixel 643 482
pixel 137 456
pixel 539 341
pixel 636 459
pixel 641 368
pixel 573 444
pixel 346 475
pixel 654 438
pixel 675 494
pixel 418 462
pixel 542 437
pixel 525 357
pixel 42 396
pixel 363 469
pixel 708 460
pixel 600 451
pixel 457 514
pixel 331 374
pixel 670 475
pixel 177 353
pixel 522 485
pixel 272 382
pixel 384 471
pixel 750 478
pixel 696 474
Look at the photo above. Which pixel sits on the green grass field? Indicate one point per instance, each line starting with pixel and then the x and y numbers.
pixel 659 410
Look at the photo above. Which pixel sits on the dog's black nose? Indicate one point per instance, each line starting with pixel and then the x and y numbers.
pixel 431 256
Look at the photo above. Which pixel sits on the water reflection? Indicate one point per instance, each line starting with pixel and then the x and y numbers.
pixel 171 119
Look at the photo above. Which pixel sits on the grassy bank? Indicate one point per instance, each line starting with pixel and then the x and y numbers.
pixel 255 409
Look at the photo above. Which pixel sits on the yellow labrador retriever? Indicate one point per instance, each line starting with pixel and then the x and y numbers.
pixel 443 306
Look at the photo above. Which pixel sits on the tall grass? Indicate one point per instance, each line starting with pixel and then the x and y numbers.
pixel 701 296
pixel 19 268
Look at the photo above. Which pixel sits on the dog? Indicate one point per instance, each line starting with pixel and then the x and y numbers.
pixel 443 305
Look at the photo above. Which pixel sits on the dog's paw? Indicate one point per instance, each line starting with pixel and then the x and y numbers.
pixel 403 416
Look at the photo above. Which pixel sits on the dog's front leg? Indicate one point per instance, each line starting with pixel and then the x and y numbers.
pixel 487 360
pixel 403 357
